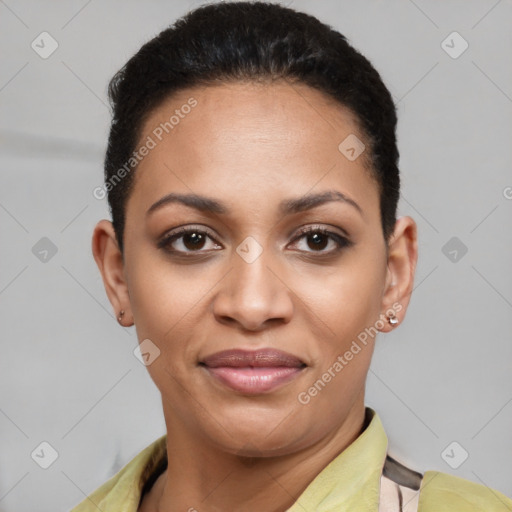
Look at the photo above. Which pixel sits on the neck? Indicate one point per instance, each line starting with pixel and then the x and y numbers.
pixel 202 477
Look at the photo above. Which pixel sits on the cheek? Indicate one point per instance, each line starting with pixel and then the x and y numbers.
pixel 161 303
pixel 162 297
pixel 345 302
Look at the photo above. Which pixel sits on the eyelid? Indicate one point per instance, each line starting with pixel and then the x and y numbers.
pixel 189 227
pixel 322 227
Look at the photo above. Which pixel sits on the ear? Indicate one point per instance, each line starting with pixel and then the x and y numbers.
pixel 109 259
pixel 401 266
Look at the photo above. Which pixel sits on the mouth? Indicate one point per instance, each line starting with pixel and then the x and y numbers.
pixel 253 372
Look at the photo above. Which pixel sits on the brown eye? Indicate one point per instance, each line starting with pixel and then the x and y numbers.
pixel 193 240
pixel 318 239
pixel 187 240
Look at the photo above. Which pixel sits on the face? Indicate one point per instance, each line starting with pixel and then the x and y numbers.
pixel 258 284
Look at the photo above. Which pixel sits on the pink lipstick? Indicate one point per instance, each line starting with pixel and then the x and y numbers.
pixel 253 372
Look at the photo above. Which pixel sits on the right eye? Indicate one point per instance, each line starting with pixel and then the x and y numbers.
pixel 186 240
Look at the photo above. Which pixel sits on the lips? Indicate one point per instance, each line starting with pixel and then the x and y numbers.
pixel 253 372
pixel 259 358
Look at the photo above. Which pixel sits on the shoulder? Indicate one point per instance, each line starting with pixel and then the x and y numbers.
pixel 435 491
pixel 442 492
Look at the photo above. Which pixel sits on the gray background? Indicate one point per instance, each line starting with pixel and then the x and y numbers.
pixel 67 369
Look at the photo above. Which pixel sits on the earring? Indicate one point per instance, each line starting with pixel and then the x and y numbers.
pixel 120 317
pixel 392 319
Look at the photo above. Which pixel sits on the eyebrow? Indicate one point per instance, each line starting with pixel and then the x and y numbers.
pixel 286 207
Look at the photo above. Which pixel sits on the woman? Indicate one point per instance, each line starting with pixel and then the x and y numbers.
pixel 252 177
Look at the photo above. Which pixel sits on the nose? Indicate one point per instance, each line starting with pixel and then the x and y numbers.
pixel 253 294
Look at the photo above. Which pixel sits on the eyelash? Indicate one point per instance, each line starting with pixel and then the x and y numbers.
pixel 341 241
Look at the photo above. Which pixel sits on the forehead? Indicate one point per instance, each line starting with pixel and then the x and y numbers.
pixel 248 137
pixel 281 114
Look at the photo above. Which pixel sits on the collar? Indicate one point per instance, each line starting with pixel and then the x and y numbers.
pixel 123 491
pixel 351 481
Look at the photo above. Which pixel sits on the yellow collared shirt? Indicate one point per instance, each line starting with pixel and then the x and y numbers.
pixel 351 482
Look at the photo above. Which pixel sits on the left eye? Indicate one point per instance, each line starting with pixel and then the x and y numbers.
pixel 319 238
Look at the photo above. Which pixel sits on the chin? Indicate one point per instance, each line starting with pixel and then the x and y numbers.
pixel 257 433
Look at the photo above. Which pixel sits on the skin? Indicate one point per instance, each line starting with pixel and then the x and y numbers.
pixel 250 146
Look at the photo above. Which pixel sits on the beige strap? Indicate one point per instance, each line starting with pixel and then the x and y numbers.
pixel 397 498
pixel 389 495
pixel 410 499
